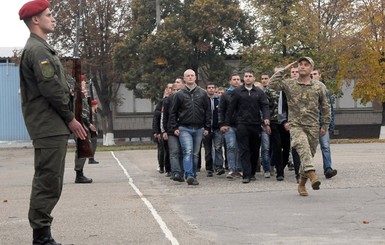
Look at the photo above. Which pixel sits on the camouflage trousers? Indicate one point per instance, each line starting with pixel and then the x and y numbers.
pixel 305 141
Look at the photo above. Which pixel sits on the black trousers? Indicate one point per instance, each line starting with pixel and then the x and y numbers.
pixel 280 147
pixel 249 142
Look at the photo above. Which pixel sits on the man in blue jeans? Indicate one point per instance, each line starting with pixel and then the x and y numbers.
pixel 229 132
pixel 325 140
pixel 190 119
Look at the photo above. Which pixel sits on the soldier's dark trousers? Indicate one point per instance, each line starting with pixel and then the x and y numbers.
pixel 47 181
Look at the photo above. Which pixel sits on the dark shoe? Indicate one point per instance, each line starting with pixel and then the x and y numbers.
pixel 92 161
pixel 192 181
pixel 252 178
pixel 297 178
pixel 209 173
pixel 83 180
pixel 330 173
pixel 178 178
pixel 246 180
pixel 161 171
pixel 220 171
pixel 280 178
pixel 43 237
pixel 168 174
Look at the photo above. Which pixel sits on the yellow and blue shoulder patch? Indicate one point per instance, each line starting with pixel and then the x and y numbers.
pixel 44 61
pixel 46 67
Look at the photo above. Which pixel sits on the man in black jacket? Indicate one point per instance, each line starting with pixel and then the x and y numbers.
pixel 175 153
pixel 190 119
pixel 247 104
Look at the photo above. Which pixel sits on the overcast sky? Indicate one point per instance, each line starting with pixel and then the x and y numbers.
pixel 13 32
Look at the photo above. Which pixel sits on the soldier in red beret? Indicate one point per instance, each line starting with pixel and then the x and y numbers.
pixel 45 101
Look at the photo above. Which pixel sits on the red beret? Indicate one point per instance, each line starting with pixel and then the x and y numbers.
pixel 33 8
pixel 94 102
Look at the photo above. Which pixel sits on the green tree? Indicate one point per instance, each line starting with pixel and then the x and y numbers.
pixel 194 34
pixel 103 23
pixel 290 29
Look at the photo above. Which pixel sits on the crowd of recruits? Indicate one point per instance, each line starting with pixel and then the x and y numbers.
pixel 248 118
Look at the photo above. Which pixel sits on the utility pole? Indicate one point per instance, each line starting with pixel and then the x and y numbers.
pixel 157 8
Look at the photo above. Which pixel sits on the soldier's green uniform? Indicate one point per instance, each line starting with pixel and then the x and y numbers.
pixel 305 102
pixel 45 99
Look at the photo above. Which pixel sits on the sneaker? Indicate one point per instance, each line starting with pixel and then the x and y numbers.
pixel 252 178
pixel 177 177
pixel 195 182
pixel 230 175
pixel 330 173
pixel 209 173
pixel 280 178
pixel 192 181
pixel 246 180
pixel 168 174
pixel 267 174
pixel 220 171
pixel 272 171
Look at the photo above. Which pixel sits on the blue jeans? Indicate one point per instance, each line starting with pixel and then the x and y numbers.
pixel 232 150
pixel 175 154
pixel 265 150
pixel 190 141
pixel 325 148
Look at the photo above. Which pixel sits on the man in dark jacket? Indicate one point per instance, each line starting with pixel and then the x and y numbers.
pixel 45 101
pixel 190 120
pixel 176 159
pixel 247 104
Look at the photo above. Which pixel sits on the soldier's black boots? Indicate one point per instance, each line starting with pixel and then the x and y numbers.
pixel 81 179
pixel 92 161
pixel 43 236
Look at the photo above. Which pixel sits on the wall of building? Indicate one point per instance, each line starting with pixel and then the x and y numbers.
pixel 12 127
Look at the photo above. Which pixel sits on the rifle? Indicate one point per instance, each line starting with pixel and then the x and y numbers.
pixel 90 99
pixel 83 147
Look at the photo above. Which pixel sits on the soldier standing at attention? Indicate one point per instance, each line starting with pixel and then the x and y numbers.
pixel 306 99
pixel 45 101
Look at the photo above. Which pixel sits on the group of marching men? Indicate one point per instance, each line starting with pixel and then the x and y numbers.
pixel 282 117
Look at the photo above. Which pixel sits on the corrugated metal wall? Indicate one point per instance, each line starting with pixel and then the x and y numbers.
pixel 12 125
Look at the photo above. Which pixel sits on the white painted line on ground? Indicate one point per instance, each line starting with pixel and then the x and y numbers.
pixel 153 211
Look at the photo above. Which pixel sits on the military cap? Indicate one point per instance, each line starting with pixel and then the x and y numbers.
pixel 308 59
pixel 33 8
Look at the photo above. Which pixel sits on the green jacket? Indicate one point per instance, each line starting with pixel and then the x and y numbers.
pixel 45 93
pixel 305 101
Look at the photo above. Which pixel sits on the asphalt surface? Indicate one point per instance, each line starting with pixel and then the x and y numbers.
pixel 129 202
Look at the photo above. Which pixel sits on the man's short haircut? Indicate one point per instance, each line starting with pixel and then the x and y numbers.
pixel 248 70
pixel 235 74
pixel 210 84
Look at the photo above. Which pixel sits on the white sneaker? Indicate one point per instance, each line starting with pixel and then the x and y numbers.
pixel 267 174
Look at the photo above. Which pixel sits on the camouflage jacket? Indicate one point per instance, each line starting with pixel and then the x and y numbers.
pixel 273 97
pixel 305 101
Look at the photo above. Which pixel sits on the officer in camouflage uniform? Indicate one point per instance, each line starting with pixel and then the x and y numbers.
pixel 306 99
pixel 45 100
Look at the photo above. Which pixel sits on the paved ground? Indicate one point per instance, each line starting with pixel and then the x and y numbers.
pixel 131 203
